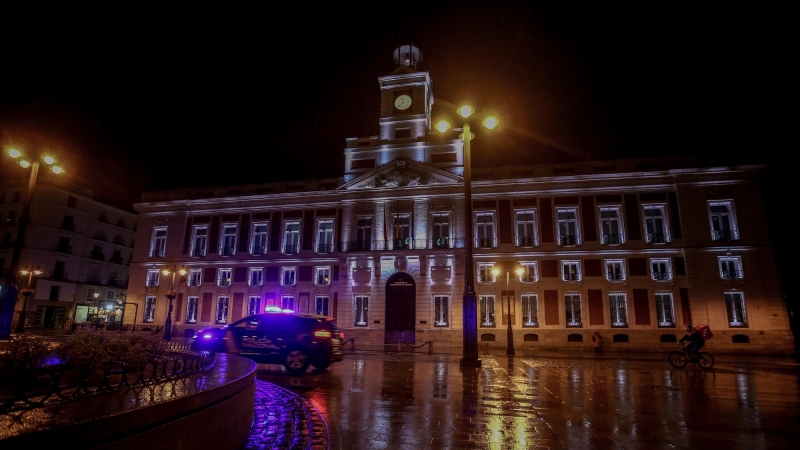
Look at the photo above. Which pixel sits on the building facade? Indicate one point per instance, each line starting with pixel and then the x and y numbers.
pixel 81 246
pixel 634 249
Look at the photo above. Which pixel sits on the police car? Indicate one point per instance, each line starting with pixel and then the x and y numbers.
pixel 294 340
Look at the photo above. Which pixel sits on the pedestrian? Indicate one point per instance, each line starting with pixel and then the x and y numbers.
pixel 598 341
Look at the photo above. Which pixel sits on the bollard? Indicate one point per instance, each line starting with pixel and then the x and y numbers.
pixel 430 347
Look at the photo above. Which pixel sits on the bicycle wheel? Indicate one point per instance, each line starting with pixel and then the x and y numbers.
pixel 706 360
pixel 677 360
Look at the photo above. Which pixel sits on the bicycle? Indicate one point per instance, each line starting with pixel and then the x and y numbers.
pixel 679 358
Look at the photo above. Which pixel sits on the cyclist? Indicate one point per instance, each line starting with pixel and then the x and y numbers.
pixel 693 341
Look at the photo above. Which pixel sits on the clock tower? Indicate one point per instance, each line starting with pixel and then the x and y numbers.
pixel 406 97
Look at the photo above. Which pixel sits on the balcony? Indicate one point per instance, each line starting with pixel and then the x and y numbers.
pixel 288 281
pixel 97 256
pixel 656 238
pixel 568 240
pixel 198 252
pixel 100 237
pixel 157 253
pixel 194 282
pixel 323 281
pixel 571 277
pixel 662 276
pixel 67 226
pixel 527 241
pixel 324 248
pixel 151 283
pixel 615 276
pixel 115 282
pixel 115 260
pixel 258 250
pixel 611 239
pixel 528 278
pixel 732 274
pixel 93 280
pixel 290 249
pixel 485 242
pixel 725 235
pixel 401 244
pixel 66 249
pixel 119 241
pixel 227 251
pixel 224 282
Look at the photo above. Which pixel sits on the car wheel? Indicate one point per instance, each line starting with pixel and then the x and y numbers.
pixel 296 361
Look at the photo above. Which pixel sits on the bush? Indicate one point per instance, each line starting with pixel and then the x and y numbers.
pixel 90 350
pixel 25 353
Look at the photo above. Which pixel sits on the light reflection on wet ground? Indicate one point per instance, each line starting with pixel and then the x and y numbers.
pixel 403 401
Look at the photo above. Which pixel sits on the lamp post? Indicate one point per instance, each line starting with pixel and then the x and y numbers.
pixel 25 294
pixel 509 333
pixel 96 310
pixel 10 290
pixel 171 294
pixel 469 305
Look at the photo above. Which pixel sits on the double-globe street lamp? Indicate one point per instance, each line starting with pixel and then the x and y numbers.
pixel 171 294
pixel 27 292
pixel 469 303
pixel 509 333
pixel 10 290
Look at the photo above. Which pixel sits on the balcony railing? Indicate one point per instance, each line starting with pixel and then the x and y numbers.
pixel 324 248
pixel 68 226
pixel 157 253
pixel 115 260
pixel 93 280
pixel 258 250
pixel 227 251
pixel 568 240
pixel 198 252
pixel 731 274
pixel 485 242
pixel 725 235
pixel 194 282
pixel 528 278
pixel 290 249
pixel 572 277
pixel 100 237
pixel 615 276
pixel 119 241
pixel 64 249
pixel 224 282
pixel 662 276
pixel 656 238
pixel 611 239
pixel 151 283
pixel 323 281
pixel 527 241
pixel 97 256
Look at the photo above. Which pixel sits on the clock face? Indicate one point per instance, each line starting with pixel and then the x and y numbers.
pixel 402 102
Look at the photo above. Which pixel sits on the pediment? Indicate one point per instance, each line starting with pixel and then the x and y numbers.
pixel 402 172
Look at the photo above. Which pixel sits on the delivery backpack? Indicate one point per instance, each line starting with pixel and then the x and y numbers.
pixel 704 331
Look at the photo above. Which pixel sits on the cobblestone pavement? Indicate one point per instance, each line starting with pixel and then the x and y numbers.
pixel 377 400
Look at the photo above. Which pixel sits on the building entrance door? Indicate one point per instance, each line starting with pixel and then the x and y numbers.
pixel 401 307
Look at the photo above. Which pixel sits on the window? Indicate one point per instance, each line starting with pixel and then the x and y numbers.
pixel 195 275
pixel 54 290
pixel 570 270
pixel 530 272
pixel 730 268
pixel 288 276
pixel 222 309
pixel 199 241
pixel 322 277
pixel 325 236
pixel 441 310
pixel 364 234
pixel 402 232
pixel 665 310
pixel 615 270
pixel 526 229
pixel 610 226
pixel 256 277
pixel 361 310
pixel 191 309
pixel 152 277
pixel 737 315
pixel 291 238
pixel 441 231
pixel 486 307
pixel 258 241
pixel 484 230
pixel 572 305
pixel 568 226
pixel 253 305
pixel 158 243
pixel 223 277
pixel 485 273
pixel 618 306
pixel 90 294
pixel 655 225
pixel 111 295
pixel 149 309
pixel 321 305
pixel 227 245
pixel 287 302
pixel 661 269
pixel 723 221
pixel 530 310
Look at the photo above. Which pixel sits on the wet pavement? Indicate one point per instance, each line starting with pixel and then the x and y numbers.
pixel 374 400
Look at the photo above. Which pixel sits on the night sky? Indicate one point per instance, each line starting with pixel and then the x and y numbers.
pixel 137 100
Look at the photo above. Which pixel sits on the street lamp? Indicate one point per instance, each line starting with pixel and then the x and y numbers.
pixel 10 290
pixel 469 305
pixel 96 310
pixel 25 294
pixel 509 333
pixel 171 293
